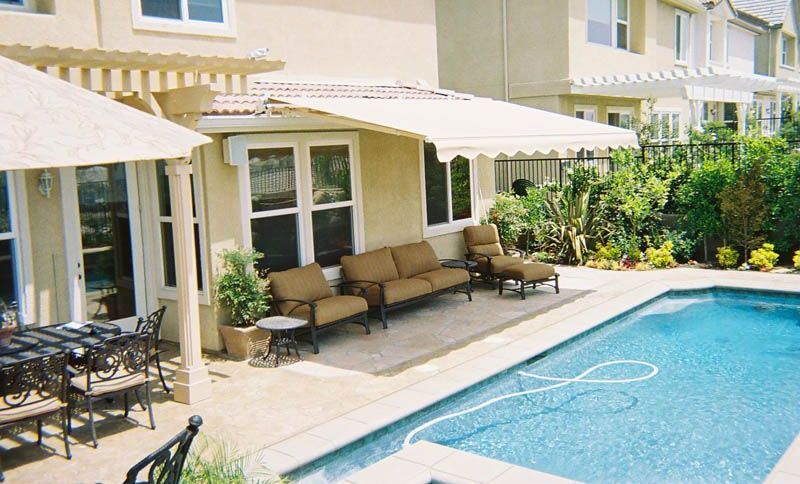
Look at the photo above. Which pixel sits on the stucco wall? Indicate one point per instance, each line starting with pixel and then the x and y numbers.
pixel 376 38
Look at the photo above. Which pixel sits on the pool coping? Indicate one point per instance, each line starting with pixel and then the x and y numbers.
pixel 311 444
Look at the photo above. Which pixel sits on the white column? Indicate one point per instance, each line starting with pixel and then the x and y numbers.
pixel 696 114
pixel 778 112
pixel 192 382
pixel 741 117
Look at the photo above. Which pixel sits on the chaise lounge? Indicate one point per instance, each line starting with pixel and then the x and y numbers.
pixel 391 278
pixel 304 293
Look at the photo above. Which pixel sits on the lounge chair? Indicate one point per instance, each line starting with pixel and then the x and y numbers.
pixel 304 293
pixel 483 247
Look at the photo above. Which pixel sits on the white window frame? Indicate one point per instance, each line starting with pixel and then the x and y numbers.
pixel 670 114
pixel 614 21
pixel 26 6
pixel 301 144
pixel 684 48
pixel 185 25
pixel 586 108
pixel 622 111
pixel 787 44
pixel 164 291
pixel 17 205
pixel 451 226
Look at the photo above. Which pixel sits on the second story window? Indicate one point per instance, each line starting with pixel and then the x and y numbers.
pixel 787 50
pixel 185 10
pixel 608 22
pixel 14 4
pixel 681 36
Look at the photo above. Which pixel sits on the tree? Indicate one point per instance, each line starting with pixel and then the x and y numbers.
pixel 743 209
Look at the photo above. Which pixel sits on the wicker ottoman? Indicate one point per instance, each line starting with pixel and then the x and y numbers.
pixel 529 276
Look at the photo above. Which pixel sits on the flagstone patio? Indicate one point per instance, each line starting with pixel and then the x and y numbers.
pixel 254 407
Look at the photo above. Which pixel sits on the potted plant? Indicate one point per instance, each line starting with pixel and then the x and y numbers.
pixel 244 294
pixel 8 323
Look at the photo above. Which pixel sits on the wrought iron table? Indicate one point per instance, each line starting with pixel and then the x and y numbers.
pixel 468 265
pixel 53 339
pixel 282 330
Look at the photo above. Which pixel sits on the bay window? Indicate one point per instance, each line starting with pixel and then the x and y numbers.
pixel 9 261
pixel 447 193
pixel 608 22
pixel 301 200
pixel 164 220
pixel 681 36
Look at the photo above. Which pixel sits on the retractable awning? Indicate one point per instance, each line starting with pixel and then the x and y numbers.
pixel 47 123
pixel 466 127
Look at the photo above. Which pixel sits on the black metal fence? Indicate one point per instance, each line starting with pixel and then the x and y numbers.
pixel 541 171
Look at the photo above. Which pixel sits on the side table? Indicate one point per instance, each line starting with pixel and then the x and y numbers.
pixel 467 265
pixel 282 331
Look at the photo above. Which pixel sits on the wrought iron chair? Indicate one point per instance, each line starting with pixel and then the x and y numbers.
pixel 166 463
pixel 151 326
pixel 33 389
pixel 117 366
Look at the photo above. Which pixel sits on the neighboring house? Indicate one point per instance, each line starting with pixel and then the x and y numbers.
pixel 602 59
pixel 304 166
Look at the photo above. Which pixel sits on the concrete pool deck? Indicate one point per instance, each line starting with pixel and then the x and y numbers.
pixel 358 384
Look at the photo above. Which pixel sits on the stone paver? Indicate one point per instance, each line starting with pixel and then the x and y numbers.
pixel 255 408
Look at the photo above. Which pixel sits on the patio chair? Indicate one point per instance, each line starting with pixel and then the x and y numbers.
pixel 304 293
pixel 151 326
pixel 483 246
pixel 166 463
pixel 117 366
pixel 33 389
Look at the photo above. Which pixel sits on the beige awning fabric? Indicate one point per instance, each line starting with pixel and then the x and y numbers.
pixel 467 127
pixel 46 122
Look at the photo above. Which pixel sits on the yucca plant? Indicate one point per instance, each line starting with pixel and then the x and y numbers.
pixel 574 226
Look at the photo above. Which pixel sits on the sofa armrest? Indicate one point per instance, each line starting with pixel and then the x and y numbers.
pixel 362 286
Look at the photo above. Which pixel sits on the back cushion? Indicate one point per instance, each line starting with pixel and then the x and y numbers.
pixel 307 283
pixel 413 259
pixel 375 266
pixel 483 239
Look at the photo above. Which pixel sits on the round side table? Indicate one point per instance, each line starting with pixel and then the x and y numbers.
pixel 282 330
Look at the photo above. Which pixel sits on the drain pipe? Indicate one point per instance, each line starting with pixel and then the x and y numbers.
pixel 505 50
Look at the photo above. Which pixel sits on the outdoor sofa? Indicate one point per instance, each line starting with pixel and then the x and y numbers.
pixel 304 293
pixel 394 277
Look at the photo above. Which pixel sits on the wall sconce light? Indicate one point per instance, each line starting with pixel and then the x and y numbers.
pixel 46 183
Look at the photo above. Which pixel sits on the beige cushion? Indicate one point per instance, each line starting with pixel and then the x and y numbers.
pixel 398 291
pixel 13 414
pixel 307 283
pixel 444 278
pixel 499 263
pixel 375 266
pixel 482 239
pixel 333 309
pixel 101 387
pixel 530 272
pixel 413 259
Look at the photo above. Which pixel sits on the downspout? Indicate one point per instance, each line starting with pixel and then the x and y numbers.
pixel 505 50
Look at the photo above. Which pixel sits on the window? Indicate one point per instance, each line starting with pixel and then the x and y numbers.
pixel 665 126
pixel 620 117
pixel 201 17
pixel 681 36
pixel 9 267
pixel 164 217
pixel 198 10
pixel 302 206
pixel 589 113
pixel 15 4
pixel 448 192
pixel 608 22
pixel 787 50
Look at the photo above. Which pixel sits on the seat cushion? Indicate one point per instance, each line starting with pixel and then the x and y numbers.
pixel 530 272
pixel 307 283
pixel 333 309
pixel 483 239
pixel 41 407
pixel 398 291
pixel 375 266
pixel 499 263
pixel 444 278
pixel 413 259
pixel 102 387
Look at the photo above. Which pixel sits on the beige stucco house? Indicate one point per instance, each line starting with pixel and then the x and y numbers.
pixel 97 242
pixel 602 59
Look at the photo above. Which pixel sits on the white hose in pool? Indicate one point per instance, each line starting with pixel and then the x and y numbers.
pixel 562 382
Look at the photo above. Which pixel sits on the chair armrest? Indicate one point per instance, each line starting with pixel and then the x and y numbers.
pixel 362 286
pixel 302 302
pixel 478 255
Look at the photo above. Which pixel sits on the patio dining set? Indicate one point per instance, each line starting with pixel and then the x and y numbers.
pixel 53 371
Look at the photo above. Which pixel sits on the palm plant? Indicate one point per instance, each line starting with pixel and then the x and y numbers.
pixel 574 226
pixel 218 462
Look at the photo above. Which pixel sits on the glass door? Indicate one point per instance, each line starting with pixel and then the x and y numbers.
pixel 106 245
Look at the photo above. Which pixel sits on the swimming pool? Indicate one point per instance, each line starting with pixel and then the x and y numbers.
pixel 697 386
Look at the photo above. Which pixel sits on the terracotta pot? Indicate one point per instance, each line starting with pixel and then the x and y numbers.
pixel 5 335
pixel 245 342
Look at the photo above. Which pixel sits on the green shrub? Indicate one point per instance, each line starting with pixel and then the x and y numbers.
pixel 742 207
pixel 765 258
pixel 661 257
pixel 796 260
pixel 217 462
pixel 535 203
pixel 509 215
pixel 239 289
pixel 683 246
pixel 728 257
pixel 607 252
pixel 697 200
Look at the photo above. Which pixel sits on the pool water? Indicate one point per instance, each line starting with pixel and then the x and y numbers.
pixel 699 386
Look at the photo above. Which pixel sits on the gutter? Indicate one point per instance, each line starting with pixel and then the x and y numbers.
pixel 505 51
